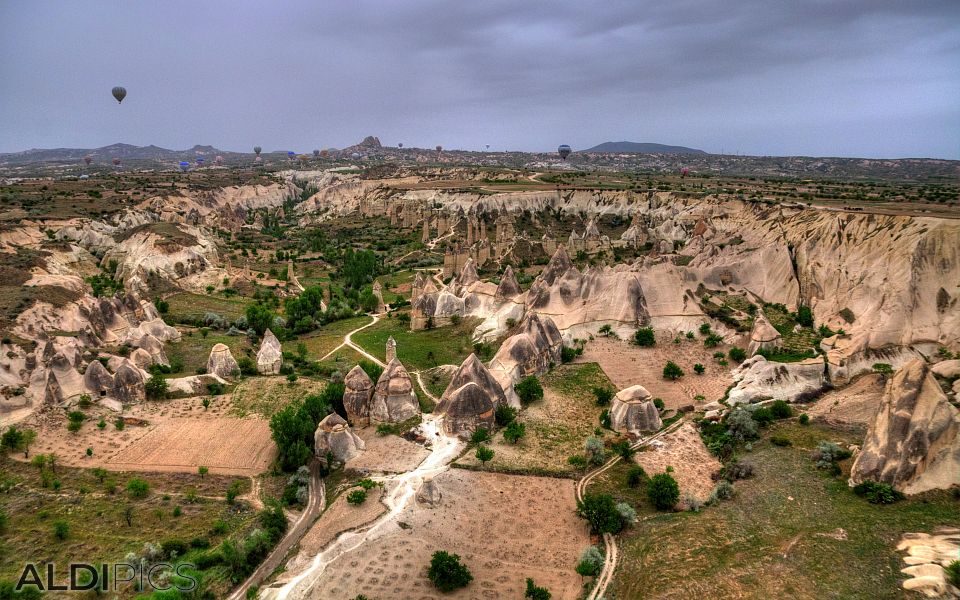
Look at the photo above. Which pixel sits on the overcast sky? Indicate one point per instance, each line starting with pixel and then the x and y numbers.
pixel 872 78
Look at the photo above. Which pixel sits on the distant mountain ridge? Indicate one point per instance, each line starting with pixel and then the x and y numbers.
pixel 642 147
pixel 121 151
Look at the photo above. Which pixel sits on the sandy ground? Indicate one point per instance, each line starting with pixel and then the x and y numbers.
pixel 505 528
pixel 179 435
pixel 339 517
pixel 626 365
pixel 854 405
pixel 386 453
pixel 692 463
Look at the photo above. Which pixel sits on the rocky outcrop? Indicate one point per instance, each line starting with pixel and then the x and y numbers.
pixel 472 370
pixel 334 435
pixel 465 410
pixel 270 355
pixel 530 352
pixel 193 385
pixel 98 380
pixel 429 493
pixel 763 336
pixel 393 399
pixel 758 379
pixel 633 411
pixel 221 362
pixel 508 288
pixel 914 441
pixel 358 391
pixel 129 384
pixel 927 555
pixel 154 347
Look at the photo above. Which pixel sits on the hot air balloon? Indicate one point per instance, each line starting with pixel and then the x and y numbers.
pixel 684 171
pixel 218 160
pixel 400 145
pixel 316 153
pixel 488 146
pixel 116 162
pixel 257 150
pixel 87 159
pixel 439 148
pixel 258 160
pixel 563 151
pixel 355 155
pixel 184 165
pixel 200 161
pixel 291 154
pixel 119 93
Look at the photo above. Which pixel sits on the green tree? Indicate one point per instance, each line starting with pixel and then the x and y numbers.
pixel 805 316
pixel 663 491
pixel 357 496
pixel 156 387
pixel 61 530
pixel 260 318
pixel 514 432
pixel 644 337
pixel 536 592
pixel 603 395
pixel 483 454
pixel 447 572
pixel 202 471
pixel 505 415
pixel 138 488
pixel 601 511
pixel 529 390
pixel 672 371
pixel 737 354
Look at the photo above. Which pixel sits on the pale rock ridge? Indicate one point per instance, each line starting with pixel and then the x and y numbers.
pixel 927 555
pixel 472 370
pixel 508 288
pixel 914 441
pixel 270 355
pixel 757 379
pixel 531 351
pixel 633 411
pixel 429 493
pixel 763 336
pixel 129 384
pixel 465 410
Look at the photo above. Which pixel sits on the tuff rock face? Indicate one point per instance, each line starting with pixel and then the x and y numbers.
pixel 465 410
pixel 129 384
pixel 914 441
pixel 221 362
pixel 98 380
pixel 429 493
pixel 335 436
pixel 633 411
pixel 358 391
pixel 393 397
pixel 508 288
pixel 472 370
pixel 529 352
pixel 270 355
pixel 758 379
pixel 763 336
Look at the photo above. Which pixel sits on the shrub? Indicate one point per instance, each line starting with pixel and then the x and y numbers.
pixel 953 572
pixel 577 461
pixel 627 513
pixel 61 530
pixel 529 390
pixel 76 416
pixel 658 403
pixel 591 562
pixel 779 440
pixel 233 491
pixel 601 511
pixel 514 432
pixel 712 341
pixel 804 419
pixel 138 488
pixel 567 354
pixel 644 337
pixel 737 354
pixel 805 316
pixel 876 492
pixel 357 496
pixel 672 371
pixel 623 449
pixel 215 388
pixel 480 435
pixel 882 368
pixel 119 423
pixel 156 387
pixel 636 475
pixel 605 419
pixel 699 369
pixel 761 415
pixel 594 448
pixel 505 415
pixel 722 491
pixel 74 426
pixel 827 454
pixel 741 425
pixel 536 592
pixel 603 395
pixel 737 470
pixel 447 572
pixel 781 410
pixel 704 328
pixel 663 491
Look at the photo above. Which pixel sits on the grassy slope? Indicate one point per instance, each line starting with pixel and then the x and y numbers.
pixel 188 306
pixel 326 338
pixel 736 549
pixel 419 349
pixel 194 349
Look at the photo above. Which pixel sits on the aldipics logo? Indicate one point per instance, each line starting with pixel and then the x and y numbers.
pixel 110 577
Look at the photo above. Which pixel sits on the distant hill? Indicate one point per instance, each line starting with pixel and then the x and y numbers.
pixel 121 151
pixel 643 148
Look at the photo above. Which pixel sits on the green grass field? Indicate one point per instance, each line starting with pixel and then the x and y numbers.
pixel 194 349
pixel 186 307
pixel 419 350
pixel 779 537
pixel 326 338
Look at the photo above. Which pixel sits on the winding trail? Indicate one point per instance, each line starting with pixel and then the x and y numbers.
pixel 300 527
pixel 348 342
pixel 609 541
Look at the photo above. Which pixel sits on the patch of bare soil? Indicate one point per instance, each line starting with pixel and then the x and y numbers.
pixel 504 527
pixel 386 453
pixel 626 365
pixel 852 406
pixel 693 465
pixel 173 435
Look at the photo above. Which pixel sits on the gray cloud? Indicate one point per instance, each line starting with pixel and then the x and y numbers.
pixel 858 77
